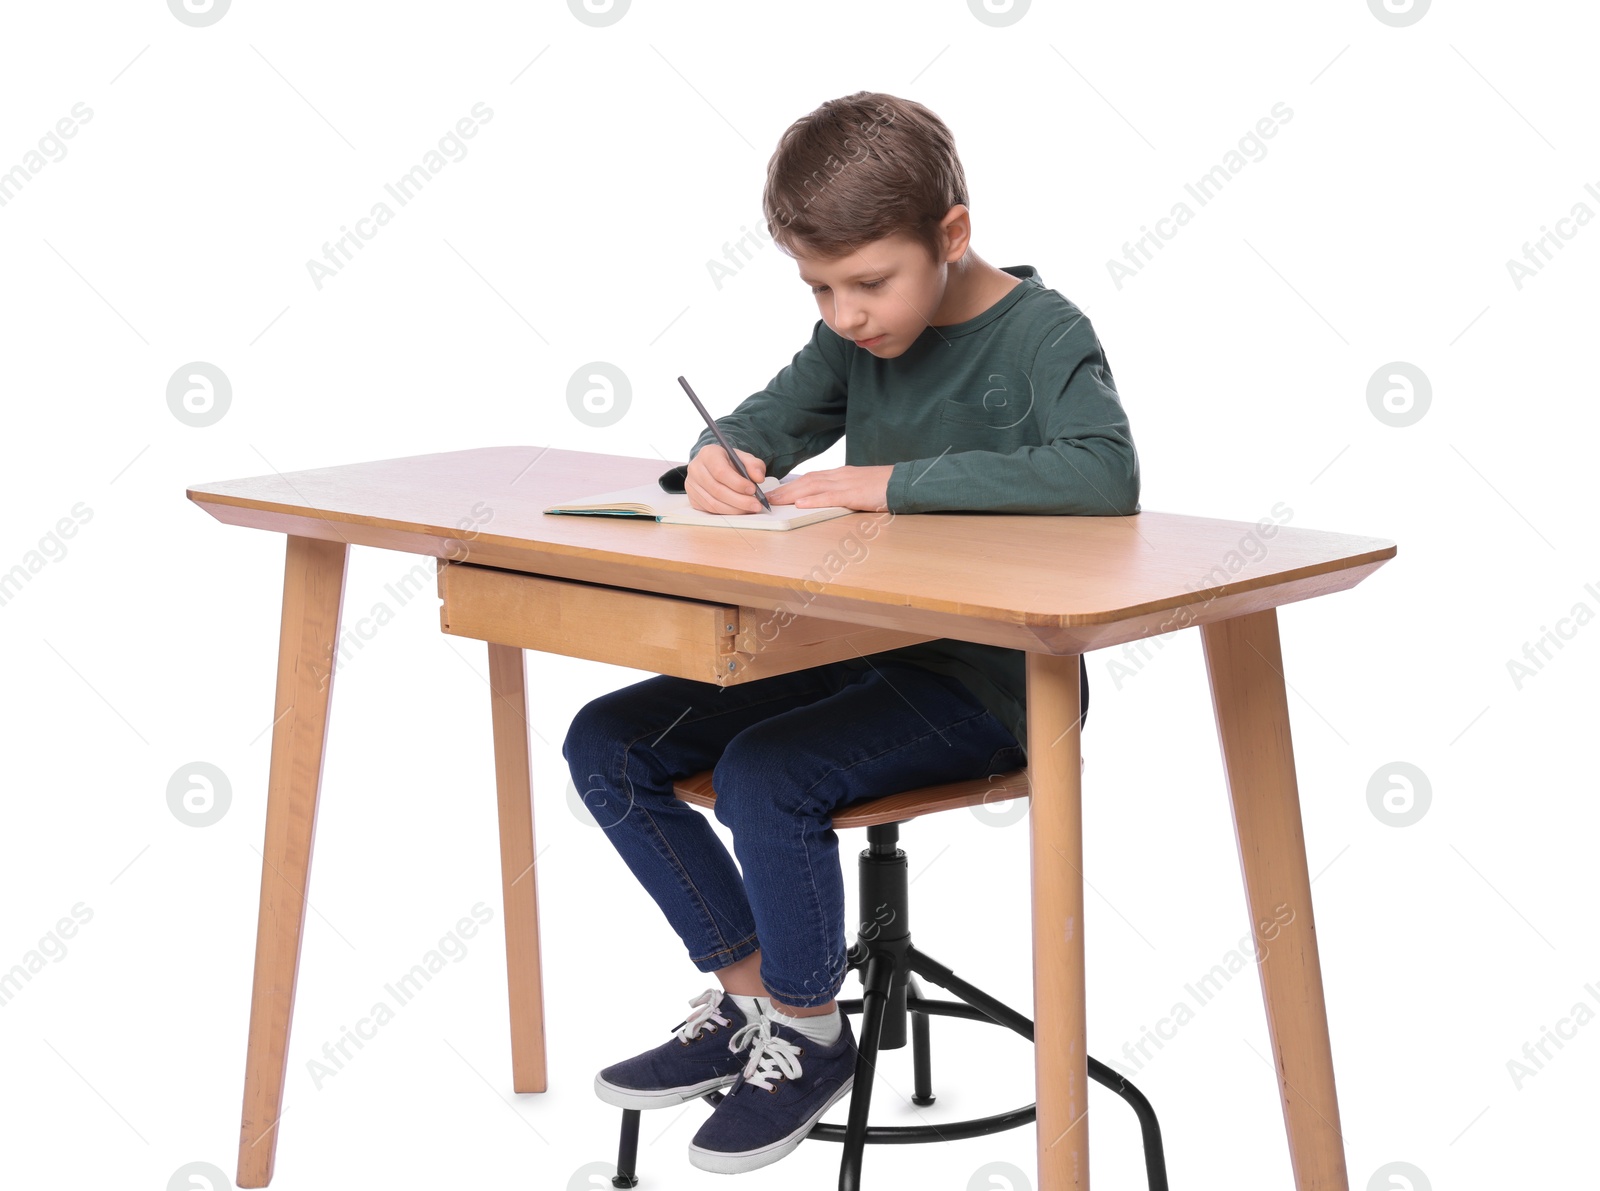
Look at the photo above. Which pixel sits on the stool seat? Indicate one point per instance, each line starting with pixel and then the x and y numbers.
pixel 890 808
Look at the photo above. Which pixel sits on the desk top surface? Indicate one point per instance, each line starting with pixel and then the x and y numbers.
pixel 485 506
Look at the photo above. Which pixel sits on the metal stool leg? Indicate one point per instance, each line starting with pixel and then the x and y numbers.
pixel 627 1150
pixel 874 998
pixel 922 1059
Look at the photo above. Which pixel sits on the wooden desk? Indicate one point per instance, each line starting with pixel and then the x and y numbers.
pixel 1053 586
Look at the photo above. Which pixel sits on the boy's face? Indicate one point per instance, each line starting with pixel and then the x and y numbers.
pixel 884 292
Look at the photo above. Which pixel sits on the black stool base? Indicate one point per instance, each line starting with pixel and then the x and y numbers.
pixel 889 966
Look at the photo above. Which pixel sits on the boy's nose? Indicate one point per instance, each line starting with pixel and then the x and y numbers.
pixel 847 318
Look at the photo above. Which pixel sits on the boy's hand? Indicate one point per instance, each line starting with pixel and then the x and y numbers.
pixel 714 485
pixel 862 488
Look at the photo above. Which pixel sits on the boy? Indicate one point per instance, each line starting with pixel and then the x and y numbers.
pixel 963 388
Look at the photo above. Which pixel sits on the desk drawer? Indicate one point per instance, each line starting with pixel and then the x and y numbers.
pixel 704 640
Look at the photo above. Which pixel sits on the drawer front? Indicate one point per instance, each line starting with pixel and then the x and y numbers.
pixel 699 639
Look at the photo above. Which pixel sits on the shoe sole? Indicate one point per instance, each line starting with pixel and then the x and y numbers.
pixel 721 1162
pixel 658 1097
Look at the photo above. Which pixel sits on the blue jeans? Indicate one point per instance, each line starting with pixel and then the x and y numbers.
pixel 785 752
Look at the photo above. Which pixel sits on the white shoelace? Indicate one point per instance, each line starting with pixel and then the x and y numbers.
pixel 771 1057
pixel 708 1008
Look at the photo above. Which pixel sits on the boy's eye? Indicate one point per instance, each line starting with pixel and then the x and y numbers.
pixel 817 289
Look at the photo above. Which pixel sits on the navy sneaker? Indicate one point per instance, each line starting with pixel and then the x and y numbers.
pixel 788 1082
pixel 700 1057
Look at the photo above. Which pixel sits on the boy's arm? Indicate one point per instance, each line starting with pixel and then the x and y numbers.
pixel 799 414
pixel 1087 464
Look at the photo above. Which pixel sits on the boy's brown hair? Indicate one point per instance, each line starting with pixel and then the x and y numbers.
pixel 858 169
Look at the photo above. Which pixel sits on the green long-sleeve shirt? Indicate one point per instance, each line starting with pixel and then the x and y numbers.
pixel 1011 411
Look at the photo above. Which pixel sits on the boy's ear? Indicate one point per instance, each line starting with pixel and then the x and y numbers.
pixel 674 480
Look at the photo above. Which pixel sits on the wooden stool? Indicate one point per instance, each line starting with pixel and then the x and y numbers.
pixel 888 966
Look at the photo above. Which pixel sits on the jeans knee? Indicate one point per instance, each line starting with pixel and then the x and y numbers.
pixel 735 783
pixel 754 779
pixel 592 745
pixel 730 796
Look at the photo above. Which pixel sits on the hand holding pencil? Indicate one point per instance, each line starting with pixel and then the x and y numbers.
pixel 714 485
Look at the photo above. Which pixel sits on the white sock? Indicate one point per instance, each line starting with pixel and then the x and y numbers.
pixel 824 1027
pixel 753 1007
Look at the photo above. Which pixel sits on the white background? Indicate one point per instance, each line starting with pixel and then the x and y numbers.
pixel 618 162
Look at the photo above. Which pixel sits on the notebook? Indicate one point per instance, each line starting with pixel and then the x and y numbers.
pixel 648 500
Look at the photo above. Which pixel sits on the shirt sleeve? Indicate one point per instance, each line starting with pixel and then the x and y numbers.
pixel 1081 462
pixel 800 413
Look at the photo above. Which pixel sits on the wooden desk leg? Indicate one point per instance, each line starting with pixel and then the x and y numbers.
pixel 1055 820
pixel 518 872
pixel 308 636
pixel 1245 662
